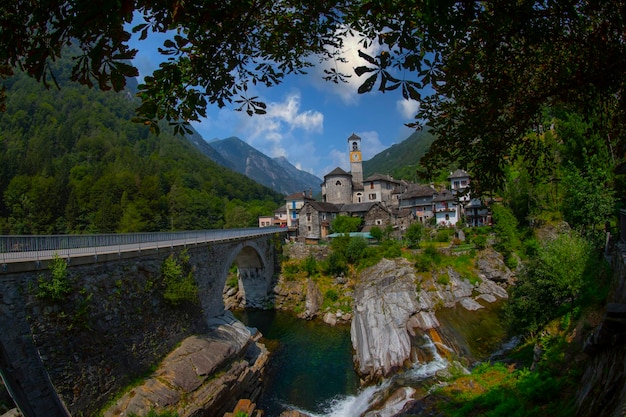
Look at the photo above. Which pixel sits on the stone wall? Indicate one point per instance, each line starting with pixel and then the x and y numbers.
pixel 112 328
pixel 115 325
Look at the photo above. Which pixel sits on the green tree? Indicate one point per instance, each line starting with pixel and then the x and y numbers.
pixel 346 224
pixel 552 283
pixel 376 233
pixel 414 234
pixel 507 235
pixel 483 72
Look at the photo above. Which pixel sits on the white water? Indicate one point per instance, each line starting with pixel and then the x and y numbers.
pixel 357 405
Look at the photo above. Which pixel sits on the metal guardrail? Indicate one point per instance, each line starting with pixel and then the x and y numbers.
pixel 14 248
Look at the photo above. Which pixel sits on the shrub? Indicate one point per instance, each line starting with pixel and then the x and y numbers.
pixel 356 249
pixel 414 234
pixel 178 280
pixel 552 283
pixel 310 266
pixel 334 265
pixel 331 295
pixel 57 287
pixel 480 241
pixel 376 233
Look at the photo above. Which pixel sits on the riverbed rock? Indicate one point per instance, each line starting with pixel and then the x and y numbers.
pixel 385 298
pixel 394 404
pixel 491 266
pixel 205 375
pixel 314 299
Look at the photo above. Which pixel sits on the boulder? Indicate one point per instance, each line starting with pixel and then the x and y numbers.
pixel 205 375
pixel 385 298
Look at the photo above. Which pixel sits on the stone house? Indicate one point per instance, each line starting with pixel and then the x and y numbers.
pixel 418 199
pixel 315 220
pixel 446 208
pixel 293 204
pixel 316 217
pixel 379 188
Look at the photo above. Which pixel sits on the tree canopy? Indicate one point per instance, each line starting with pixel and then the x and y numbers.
pixel 482 71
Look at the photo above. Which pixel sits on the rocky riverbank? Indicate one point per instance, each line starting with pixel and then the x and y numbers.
pixel 395 308
pixel 206 375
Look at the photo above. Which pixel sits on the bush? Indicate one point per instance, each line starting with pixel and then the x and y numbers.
pixel 180 286
pixel 480 241
pixel 414 234
pixel 310 266
pixel 356 249
pixel 331 295
pixel 334 265
pixel 58 287
pixel 552 283
pixel 376 233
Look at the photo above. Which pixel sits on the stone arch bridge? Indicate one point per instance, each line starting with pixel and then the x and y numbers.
pixel 60 359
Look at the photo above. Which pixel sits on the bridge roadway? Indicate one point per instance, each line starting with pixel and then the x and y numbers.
pixel 32 249
pixel 32 371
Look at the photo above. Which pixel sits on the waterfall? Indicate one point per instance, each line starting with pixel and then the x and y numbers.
pixel 359 404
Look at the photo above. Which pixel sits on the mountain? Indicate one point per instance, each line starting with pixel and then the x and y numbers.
pixel 401 159
pixel 72 161
pixel 276 173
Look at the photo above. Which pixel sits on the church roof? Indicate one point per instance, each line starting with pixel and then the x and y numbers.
pixel 337 172
pixel 353 137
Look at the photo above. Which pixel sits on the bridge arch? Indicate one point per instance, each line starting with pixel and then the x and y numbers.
pixel 256 262
pixel 253 277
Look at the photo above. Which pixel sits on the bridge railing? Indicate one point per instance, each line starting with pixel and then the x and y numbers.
pixel 31 246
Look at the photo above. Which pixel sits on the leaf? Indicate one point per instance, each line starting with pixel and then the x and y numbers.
pixel 368 58
pixel 368 84
pixel 362 70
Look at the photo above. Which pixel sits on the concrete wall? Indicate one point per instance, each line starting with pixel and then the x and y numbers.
pixel 116 325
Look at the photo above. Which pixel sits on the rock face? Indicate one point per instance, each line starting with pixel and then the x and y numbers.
pixel 389 306
pixel 205 375
pixel 385 299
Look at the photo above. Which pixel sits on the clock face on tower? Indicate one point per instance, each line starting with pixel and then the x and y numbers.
pixel 355 156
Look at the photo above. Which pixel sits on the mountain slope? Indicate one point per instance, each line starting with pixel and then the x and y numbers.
pixel 277 173
pixel 72 161
pixel 401 159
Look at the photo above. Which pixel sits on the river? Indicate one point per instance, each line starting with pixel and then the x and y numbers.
pixel 311 368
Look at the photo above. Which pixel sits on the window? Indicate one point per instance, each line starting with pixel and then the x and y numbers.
pixel 447 216
pixel 338 183
pixel 371 185
pixel 457 185
pixel 308 217
pixel 309 228
pixel 379 222
pixel 372 196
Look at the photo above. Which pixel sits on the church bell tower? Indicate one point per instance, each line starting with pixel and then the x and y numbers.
pixel 356 160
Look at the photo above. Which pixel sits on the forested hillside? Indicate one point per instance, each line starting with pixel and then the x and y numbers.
pixel 402 159
pixel 72 161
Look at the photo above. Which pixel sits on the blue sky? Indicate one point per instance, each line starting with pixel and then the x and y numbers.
pixel 308 119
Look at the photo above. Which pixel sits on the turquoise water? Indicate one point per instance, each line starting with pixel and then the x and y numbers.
pixel 311 365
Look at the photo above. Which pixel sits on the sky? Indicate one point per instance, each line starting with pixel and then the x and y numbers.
pixel 308 119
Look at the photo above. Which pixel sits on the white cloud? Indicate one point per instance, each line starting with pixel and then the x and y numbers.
pixel 408 108
pixel 348 91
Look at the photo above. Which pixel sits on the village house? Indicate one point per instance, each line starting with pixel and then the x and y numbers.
pixel 380 201
pixel 293 204
pixel 379 188
pixel 418 199
pixel 446 208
